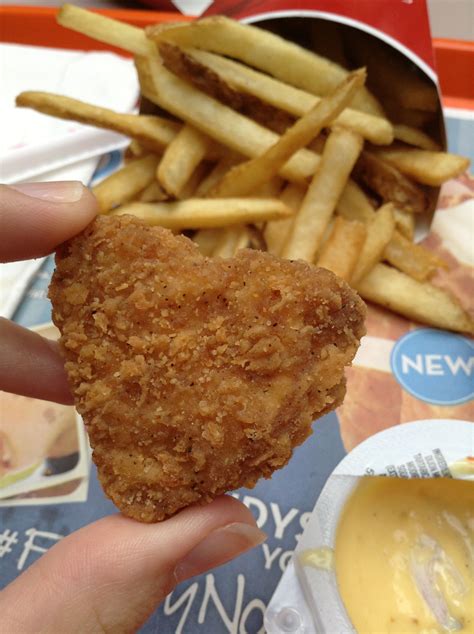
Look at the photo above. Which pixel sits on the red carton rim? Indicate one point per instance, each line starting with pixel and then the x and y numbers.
pixel 37 26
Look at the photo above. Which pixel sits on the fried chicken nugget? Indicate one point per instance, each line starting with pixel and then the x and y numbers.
pixel 195 376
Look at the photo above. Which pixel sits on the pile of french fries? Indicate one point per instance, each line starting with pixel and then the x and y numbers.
pixel 257 142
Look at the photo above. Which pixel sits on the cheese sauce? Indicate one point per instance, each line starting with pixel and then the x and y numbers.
pixel 404 556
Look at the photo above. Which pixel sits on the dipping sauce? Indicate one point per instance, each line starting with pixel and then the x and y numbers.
pixel 404 556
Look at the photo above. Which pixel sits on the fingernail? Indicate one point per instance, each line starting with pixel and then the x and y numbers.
pixel 218 547
pixel 56 192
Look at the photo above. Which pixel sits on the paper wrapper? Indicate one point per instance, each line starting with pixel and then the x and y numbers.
pixel 44 453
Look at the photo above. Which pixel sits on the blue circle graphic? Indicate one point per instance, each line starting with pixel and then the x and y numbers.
pixel 435 366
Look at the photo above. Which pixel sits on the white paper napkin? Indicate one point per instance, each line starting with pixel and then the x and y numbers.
pixel 36 147
pixel 32 143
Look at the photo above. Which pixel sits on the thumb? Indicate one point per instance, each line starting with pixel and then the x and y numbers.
pixel 36 217
pixel 111 575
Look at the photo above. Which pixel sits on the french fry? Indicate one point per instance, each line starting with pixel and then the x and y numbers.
pixel 379 233
pixel 196 178
pixel 412 259
pixel 413 136
pixel 181 157
pixel 317 144
pixel 136 150
pixel 327 232
pixel 104 29
pixel 293 195
pixel 232 239
pixel 163 26
pixel 405 223
pixel 429 168
pixel 153 193
pixel 420 301
pixel 207 240
pixel 225 76
pixel 342 248
pixel 248 176
pixel 266 51
pixel 126 183
pixel 215 175
pixel 354 204
pixel 187 68
pixel 233 130
pixel 276 232
pixel 389 183
pixel 340 153
pixel 153 133
pixel 201 213
pixel 243 242
pixel 270 189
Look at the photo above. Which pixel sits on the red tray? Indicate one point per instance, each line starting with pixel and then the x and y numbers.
pixel 37 26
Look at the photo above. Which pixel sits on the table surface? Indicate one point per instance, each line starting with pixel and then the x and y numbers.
pixel 449 18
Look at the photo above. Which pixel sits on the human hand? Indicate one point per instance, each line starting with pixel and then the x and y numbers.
pixel 112 574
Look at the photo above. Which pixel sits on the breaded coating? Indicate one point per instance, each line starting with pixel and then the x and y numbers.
pixel 195 376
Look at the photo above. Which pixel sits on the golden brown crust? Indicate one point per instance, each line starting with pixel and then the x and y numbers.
pixel 195 376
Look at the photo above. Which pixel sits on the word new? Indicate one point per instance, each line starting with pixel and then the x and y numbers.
pixel 437 364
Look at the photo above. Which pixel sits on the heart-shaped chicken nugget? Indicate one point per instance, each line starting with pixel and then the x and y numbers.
pixel 195 376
